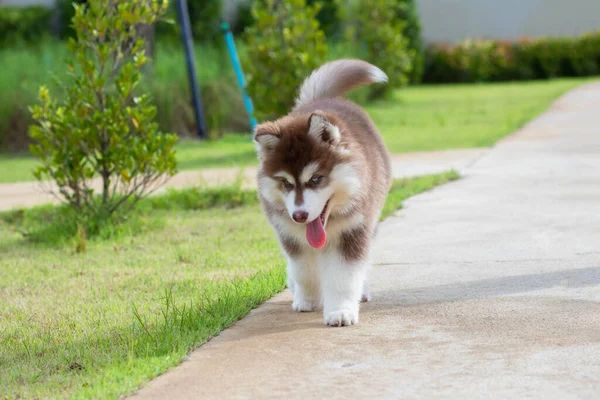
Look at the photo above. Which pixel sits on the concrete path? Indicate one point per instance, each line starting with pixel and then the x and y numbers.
pixel 486 288
pixel 27 194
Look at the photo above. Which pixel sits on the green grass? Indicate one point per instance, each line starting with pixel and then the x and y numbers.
pixel 462 116
pixel 99 324
pixel 414 119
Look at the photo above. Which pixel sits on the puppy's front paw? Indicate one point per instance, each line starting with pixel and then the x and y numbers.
pixel 342 317
pixel 304 305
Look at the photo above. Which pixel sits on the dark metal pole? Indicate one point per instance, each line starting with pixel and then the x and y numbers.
pixel 188 44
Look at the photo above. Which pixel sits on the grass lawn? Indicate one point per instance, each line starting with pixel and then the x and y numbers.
pixel 413 119
pixel 462 116
pixel 100 323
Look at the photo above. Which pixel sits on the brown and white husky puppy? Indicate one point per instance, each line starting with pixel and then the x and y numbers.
pixel 323 177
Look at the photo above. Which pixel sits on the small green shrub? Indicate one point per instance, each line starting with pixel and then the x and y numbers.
pixel 283 47
pixel 103 127
pixel 20 25
pixel 375 26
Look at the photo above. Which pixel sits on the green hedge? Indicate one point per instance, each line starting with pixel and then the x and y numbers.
pixel 20 25
pixel 485 60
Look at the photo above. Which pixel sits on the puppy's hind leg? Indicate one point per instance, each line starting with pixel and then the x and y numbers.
pixel 366 293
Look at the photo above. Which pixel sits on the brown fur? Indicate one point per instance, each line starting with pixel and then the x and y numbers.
pixel 290 245
pixel 295 149
pixel 354 244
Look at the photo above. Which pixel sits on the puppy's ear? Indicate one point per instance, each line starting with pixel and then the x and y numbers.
pixel 320 128
pixel 266 137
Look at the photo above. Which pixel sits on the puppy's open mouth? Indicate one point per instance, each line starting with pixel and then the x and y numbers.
pixel 315 230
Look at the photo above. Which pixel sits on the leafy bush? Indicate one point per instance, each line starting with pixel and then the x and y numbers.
pixel 375 26
pixel 486 60
pixel 23 24
pixel 327 16
pixel 103 127
pixel 412 31
pixel 470 61
pixel 284 46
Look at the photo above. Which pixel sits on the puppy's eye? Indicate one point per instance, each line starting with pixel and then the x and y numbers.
pixel 315 180
pixel 286 184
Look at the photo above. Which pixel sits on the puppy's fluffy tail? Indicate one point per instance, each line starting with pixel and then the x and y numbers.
pixel 336 78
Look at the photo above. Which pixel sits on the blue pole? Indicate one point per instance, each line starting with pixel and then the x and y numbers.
pixel 186 37
pixel 237 66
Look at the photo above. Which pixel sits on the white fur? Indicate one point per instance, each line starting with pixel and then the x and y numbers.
pixel 303 276
pixel 309 171
pixel 314 199
pixel 286 176
pixel 326 279
pixel 314 202
pixel 321 277
pixel 342 288
pixel 324 81
pixel 269 188
pixel 378 75
pixel 318 124
pixel 266 142
pixel 346 184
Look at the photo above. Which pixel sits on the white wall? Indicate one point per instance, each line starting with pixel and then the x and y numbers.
pixel 454 20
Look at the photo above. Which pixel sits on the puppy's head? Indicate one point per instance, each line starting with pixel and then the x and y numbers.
pixel 305 166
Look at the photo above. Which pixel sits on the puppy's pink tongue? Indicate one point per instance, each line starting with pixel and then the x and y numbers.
pixel 315 233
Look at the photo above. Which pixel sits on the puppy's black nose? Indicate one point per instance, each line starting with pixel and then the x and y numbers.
pixel 300 216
